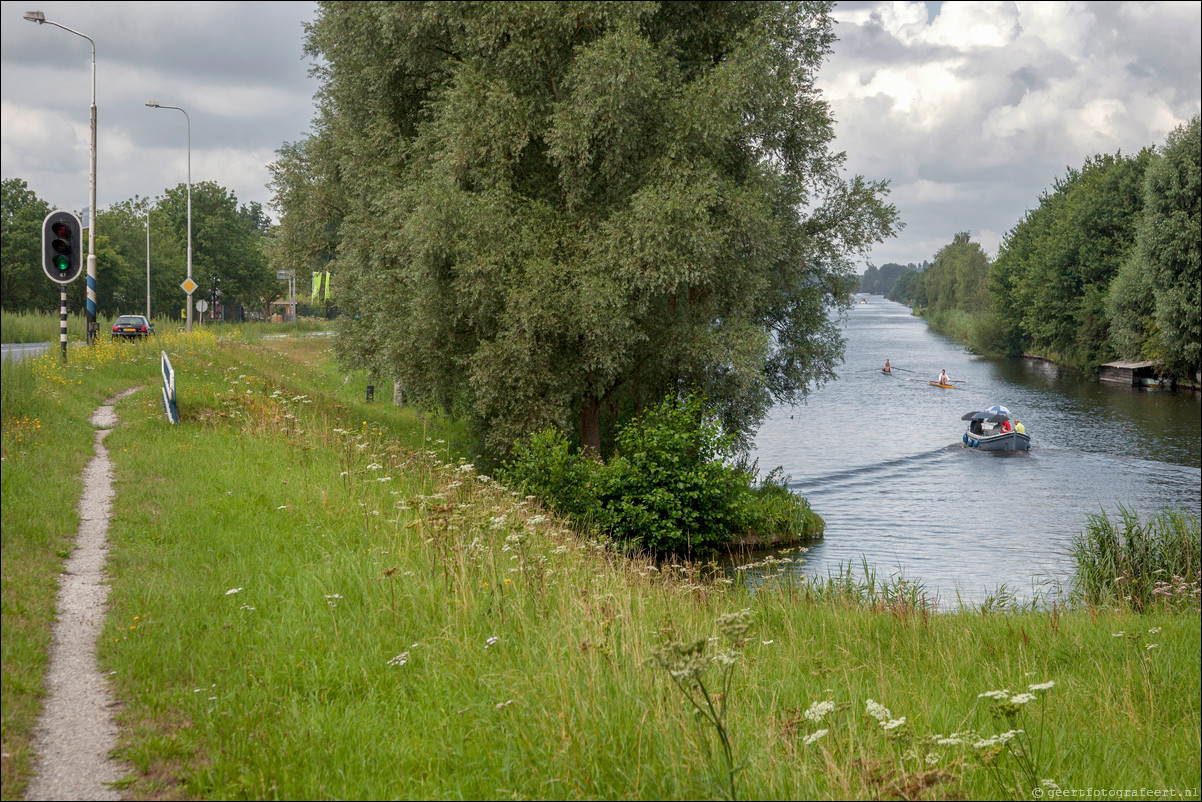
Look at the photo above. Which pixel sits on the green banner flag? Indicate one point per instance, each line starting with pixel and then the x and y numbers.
pixel 327 285
pixel 316 285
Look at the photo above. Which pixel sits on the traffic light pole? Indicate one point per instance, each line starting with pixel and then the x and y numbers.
pixel 62 320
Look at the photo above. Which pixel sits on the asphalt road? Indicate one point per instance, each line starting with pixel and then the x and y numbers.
pixel 18 351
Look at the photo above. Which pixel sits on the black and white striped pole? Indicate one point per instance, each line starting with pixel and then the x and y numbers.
pixel 62 259
pixel 62 320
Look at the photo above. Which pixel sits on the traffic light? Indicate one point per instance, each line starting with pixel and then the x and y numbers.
pixel 62 246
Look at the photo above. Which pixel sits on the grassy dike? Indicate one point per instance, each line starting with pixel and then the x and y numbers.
pixel 315 597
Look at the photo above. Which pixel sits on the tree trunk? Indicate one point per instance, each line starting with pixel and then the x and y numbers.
pixel 590 427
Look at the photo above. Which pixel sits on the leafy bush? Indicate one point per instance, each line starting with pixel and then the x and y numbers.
pixel 672 487
pixel 669 487
pixel 546 466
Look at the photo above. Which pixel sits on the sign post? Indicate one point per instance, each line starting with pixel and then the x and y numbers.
pixel 189 286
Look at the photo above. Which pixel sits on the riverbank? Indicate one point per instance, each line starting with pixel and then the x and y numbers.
pixel 317 596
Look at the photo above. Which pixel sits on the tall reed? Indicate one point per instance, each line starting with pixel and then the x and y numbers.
pixel 1128 563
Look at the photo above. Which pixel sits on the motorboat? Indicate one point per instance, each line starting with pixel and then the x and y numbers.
pixel 995 429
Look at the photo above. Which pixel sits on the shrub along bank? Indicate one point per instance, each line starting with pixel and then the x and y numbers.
pixel 317 597
pixel 672 487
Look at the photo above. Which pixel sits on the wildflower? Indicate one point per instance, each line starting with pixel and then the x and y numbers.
pixel 932 758
pixel 726 659
pixel 1000 696
pixel 893 724
pixel 1151 646
pixel 950 741
pixel 818 711
pixel 1153 630
pixel 810 739
pixel 735 625
pixel 375 466
pixel 505 704
pixel 400 659
pixel 1118 634
pixel 877 711
pixel 1042 686
pixel 1049 784
pixel 491 641
pixel 1022 698
pixel 232 591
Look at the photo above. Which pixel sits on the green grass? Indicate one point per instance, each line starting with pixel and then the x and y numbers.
pixel 39 327
pixel 404 628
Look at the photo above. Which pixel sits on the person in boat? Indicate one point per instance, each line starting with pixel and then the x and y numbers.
pixel 943 379
pixel 1006 426
pixel 1018 426
pixel 888 368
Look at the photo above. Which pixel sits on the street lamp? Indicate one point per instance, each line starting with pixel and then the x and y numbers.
pixel 154 104
pixel 148 318
pixel 40 19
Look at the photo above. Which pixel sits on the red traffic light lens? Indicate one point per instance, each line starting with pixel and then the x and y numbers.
pixel 61 230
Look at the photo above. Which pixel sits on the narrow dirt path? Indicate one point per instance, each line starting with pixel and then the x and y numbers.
pixel 77 732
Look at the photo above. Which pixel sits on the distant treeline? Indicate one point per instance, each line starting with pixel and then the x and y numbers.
pixel 881 280
pixel 1106 267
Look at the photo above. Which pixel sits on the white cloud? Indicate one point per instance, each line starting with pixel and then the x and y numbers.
pixel 975 112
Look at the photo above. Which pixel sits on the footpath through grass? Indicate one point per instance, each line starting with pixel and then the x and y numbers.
pixel 315 597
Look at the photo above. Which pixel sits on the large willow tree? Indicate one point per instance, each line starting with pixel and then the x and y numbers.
pixel 554 214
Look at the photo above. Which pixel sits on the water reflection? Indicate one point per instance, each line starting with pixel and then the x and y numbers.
pixel 880 457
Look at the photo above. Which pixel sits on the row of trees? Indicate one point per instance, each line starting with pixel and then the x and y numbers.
pixel 880 280
pixel 1109 265
pixel 229 252
pixel 555 215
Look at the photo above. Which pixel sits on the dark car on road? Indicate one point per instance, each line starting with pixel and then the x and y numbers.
pixel 132 327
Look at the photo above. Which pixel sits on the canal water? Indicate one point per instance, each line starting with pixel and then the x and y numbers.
pixel 880 458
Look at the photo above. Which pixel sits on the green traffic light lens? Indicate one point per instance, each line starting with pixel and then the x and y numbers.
pixel 62 263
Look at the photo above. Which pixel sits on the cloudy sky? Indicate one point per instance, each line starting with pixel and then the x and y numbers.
pixel 970 110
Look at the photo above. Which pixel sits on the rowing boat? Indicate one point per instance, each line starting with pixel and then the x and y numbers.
pixel 944 386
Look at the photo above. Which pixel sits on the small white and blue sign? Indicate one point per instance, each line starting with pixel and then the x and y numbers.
pixel 169 407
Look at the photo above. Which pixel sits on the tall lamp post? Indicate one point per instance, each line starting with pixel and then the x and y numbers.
pixel 148 318
pixel 154 104
pixel 40 19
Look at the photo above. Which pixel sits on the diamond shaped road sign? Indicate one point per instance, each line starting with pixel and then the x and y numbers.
pixel 189 286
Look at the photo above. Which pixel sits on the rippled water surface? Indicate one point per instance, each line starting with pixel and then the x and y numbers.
pixel 880 458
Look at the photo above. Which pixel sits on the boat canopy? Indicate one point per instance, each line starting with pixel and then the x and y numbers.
pixel 988 415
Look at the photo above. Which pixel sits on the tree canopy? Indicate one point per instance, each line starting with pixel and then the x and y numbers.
pixel 555 214
pixel 1154 304
pixel 23 285
pixel 1054 269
